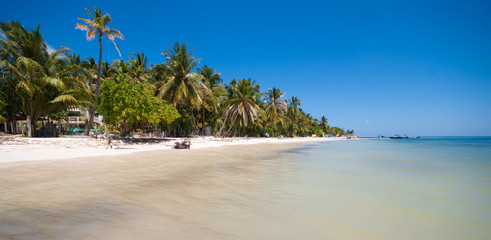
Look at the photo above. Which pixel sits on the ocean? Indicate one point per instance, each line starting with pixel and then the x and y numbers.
pixel 427 188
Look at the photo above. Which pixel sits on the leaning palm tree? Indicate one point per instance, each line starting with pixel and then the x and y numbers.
pixel 97 25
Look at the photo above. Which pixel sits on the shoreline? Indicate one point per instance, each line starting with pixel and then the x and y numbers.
pixel 20 149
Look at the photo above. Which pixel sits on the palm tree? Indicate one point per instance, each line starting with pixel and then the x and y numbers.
pixel 293 113
pixel 181 83
pixel 242 105
pixel 2 104
pixel 276 106
pixel 211 103
pixel 137 68
pixel 43 91
pixel 324 124
pixel 97 25
pixel 76 76
pixel 182 87
pixel 10 48
pixel 37 76
pixel 305 122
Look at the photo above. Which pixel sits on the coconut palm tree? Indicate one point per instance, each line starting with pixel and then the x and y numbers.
pixel 276 106
pixel 77 76
pixel 295 102
pixel 34 72
pixel 212 81
pixel 137 67
pixel 97 26
pixel 181 82
pixel 2 104
pixel 42 91
pixel 294 114
pixel 10 48
pixel 324 124
pixel 242 105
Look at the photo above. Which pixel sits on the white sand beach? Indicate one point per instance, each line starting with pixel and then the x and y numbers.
pixel 18 148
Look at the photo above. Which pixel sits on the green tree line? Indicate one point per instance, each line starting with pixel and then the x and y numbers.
pixel 177 96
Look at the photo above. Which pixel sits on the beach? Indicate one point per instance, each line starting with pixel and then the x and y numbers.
pixel 428 188
pixel 18 148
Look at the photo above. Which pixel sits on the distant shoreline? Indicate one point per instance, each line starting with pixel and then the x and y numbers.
pixel 20 149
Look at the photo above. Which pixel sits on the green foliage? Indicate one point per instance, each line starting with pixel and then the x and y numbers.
pixel 133 105
pixel 276 106
pixel 242 104
pixel 2 105
pixel 98 26
pixel 337 131
pixel 316 129
pixel 181 83
pixel 38 84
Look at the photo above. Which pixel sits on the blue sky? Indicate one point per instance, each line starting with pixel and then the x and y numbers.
pixel 379 67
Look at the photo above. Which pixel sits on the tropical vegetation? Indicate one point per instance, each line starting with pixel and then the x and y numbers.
pixel 176 97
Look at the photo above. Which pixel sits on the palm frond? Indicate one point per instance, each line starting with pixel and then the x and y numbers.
pixel 66 99
pixel 55 82
pixel 90 35
pixel 117 47
pixel 82 27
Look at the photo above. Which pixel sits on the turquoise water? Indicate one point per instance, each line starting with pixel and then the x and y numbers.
pixel 428 188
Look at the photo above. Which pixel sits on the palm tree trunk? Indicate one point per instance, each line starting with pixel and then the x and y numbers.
pixel 29 127
pixel 232 123
pixel 223 125
pixel 15 126
pixel 203 126
pixel 97 86
pixel 59 126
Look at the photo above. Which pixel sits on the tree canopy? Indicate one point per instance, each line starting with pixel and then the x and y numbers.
pixel 132 105
pixel 177 96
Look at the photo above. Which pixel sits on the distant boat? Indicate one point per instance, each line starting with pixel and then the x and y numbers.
pixel 399 137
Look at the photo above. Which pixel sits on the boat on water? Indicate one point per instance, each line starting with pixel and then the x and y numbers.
pixel 399 137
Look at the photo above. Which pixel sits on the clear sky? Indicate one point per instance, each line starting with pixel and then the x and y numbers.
pixel 379 67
